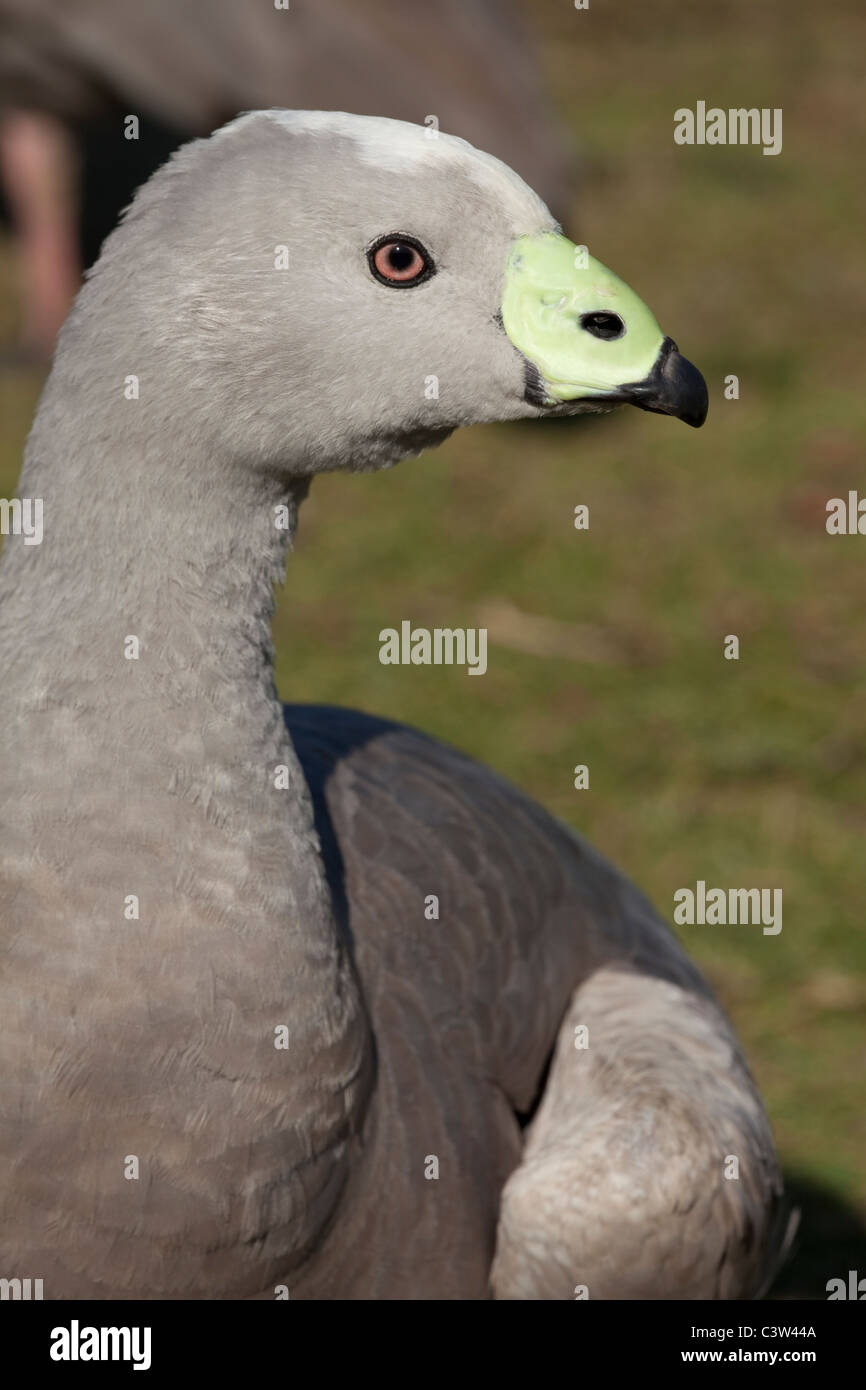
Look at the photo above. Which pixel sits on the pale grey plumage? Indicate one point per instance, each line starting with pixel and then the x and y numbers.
pixel 260 907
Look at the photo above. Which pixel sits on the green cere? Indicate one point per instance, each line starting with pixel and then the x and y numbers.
pixel 557 300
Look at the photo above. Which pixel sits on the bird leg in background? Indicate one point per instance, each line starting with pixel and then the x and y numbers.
pixel 38 166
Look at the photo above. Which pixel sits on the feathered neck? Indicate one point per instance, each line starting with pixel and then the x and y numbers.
pixel 162 882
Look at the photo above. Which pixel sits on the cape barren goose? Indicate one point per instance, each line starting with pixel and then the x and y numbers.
pixel 172 912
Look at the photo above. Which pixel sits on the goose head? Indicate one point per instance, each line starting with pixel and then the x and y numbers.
pixel 342 290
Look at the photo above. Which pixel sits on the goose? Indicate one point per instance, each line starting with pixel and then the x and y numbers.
pixel 238 1061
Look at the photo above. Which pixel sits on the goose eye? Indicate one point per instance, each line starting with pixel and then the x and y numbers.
pixel 400 260
pixel 602 325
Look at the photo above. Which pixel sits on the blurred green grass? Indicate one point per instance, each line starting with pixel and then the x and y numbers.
pixel 748 773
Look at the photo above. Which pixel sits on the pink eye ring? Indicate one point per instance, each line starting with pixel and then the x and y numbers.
pixel 400 260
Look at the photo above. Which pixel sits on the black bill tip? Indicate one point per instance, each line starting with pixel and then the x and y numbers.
pixel 673 387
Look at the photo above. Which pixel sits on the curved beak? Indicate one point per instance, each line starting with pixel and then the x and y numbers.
pixel 588 340
pixel 673 387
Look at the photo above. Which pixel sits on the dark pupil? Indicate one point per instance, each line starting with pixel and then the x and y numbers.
pixel 401 257
pixel 605 326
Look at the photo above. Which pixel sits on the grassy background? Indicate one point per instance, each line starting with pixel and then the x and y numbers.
pixel 606 645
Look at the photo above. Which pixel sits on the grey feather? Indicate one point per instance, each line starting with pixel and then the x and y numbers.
pixel 151 1037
